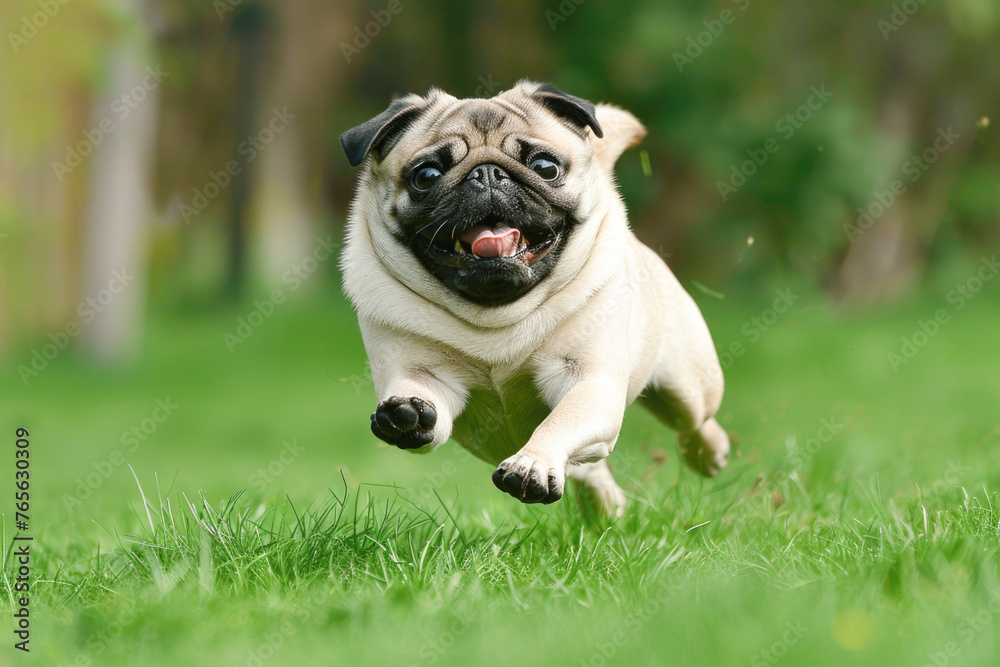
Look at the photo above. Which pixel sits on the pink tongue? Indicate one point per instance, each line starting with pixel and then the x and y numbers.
pixel 486 242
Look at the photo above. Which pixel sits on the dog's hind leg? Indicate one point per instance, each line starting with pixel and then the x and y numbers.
pixel 690 410
pixel 706 449
pixel 596 489
pixel 685 385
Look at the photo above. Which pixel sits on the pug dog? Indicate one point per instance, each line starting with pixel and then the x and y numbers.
pixel 504 301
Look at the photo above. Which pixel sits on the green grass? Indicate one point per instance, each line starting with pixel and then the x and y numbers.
pixel 878 546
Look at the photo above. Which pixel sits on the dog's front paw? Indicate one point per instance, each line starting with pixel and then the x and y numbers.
pixel 404 421
pixel 530 480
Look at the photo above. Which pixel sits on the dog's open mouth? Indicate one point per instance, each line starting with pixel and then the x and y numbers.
pixel 491 241
pixel 493 259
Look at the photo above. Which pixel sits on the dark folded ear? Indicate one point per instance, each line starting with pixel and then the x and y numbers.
pixel 574 109
pixel 379 134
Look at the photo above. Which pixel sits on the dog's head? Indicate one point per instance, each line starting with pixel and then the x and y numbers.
pixel 487 194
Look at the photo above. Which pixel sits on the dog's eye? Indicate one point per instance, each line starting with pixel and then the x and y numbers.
pixel 423 179
pixel 545 168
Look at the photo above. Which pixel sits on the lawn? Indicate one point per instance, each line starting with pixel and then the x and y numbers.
pixel 264 525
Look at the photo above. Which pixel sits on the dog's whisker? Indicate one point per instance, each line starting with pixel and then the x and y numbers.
pixel 424 227
pixel 434 236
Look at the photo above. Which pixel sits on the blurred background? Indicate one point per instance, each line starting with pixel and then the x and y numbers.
pixel 173 192
pixel 120 120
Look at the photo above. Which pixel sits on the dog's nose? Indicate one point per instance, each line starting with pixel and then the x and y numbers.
pixel 488 174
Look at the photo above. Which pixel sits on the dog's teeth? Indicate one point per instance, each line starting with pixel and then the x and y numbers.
pixel 458 246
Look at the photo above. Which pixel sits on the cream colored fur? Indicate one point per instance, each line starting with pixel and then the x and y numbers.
pixel 541 383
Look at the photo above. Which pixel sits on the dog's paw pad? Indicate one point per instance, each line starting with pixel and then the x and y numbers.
pixel 404 421
pixel 530 480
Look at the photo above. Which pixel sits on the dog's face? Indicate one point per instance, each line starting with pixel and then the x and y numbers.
pixel 486 193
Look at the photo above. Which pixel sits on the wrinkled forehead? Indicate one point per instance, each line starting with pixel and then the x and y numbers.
pixel 482 117
pixel 455 129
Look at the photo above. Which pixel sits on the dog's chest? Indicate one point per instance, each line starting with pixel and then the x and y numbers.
pixel 499 418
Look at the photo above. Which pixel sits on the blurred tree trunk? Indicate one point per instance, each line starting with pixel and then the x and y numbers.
pixel 881 262
pixel 307 73
pixel 4 307
pixel 119 203
pixel 888 259
pixel 250 29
